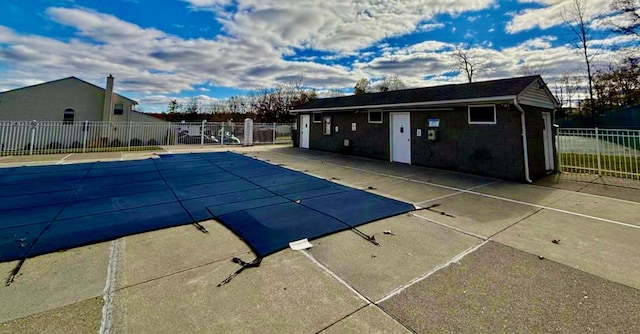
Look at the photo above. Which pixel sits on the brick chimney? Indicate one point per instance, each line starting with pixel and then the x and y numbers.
pixel 108 97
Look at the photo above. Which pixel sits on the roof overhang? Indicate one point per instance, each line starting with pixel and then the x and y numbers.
pixel 412 104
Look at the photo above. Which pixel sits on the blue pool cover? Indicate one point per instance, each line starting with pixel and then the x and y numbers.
pixel 45 209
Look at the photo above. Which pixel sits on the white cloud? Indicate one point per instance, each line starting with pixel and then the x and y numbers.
pixel 148 61
pixel 473 18
pixel 430 26
pixel 333 25
pixel 211 4
pixel 102 27
pixel 543 42
pixel 258 34
pixel 425 46
pixel 431 63
pixel 550 15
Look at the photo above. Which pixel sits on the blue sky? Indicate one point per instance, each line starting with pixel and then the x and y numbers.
pixel 212 49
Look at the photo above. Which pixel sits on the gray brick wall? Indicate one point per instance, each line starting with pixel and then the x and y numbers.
pixel 369 140
pixel 492 149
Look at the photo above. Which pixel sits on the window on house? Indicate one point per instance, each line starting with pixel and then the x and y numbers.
pixel 118 109
pixel 326 125
pixel 69 114
pixel 482 114
pixel 375 117
pixel 317 117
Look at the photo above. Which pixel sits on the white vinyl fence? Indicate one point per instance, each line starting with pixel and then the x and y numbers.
pixel 24 138
pixel 610 152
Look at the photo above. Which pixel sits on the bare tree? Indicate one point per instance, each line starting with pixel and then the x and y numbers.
pixel 575 17
pixel 572 86
pixel 174 106
pixel 334 92
pixel 527 68
pixel 275 104
pixel 469 62
pixel 389 83
pixel 193 106
pixel 629 10
pixel 363 86
pixel 239 104
pixel 560 93
pixel 209 107
pixel 565 89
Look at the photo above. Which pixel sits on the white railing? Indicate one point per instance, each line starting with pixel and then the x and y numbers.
pixel 610 152
pixel 24 138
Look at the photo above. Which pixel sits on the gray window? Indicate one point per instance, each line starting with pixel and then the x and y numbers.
pixel 375 117
pixel 317 117
pixel 69 115
pixel 485 114
pixel 118 109
pixel 326 125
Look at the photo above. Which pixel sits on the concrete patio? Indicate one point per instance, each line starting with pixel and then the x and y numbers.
pixel 478 257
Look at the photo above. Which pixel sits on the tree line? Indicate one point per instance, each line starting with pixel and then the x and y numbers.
pixel 263 105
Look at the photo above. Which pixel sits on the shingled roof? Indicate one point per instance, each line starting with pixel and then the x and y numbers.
pixel 454 92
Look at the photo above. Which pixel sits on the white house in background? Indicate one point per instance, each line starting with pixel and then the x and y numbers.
pixel 71 100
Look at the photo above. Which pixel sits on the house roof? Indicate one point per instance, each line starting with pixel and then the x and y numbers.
pixel 502 89
pixel 67 78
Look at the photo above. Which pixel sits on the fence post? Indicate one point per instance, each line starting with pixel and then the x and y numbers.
pixel 274 133
pixel 559 148
pixel 176 133
pixel 221 133
pixel 84 136
pixel 202 132
pixel 598 153
pixel 129 136
pixel 33 136
pixel 248 132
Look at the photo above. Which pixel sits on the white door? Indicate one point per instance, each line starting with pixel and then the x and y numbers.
pixel 400 138
pixel 304 130
pixel 547 134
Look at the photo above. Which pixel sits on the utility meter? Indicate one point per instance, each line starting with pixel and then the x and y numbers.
pixel 432 134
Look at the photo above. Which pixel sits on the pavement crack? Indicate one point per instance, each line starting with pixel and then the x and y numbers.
pixel 183 270
pixel 343 318
pixel 516 223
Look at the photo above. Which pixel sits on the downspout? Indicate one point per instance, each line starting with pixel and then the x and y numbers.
pixel 524 140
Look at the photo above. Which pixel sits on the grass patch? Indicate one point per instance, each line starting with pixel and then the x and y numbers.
pixel 611 165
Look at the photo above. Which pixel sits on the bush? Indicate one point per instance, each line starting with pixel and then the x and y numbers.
pixel 54 145
pixel 136 142
pixel 27 147
pixel 115 143
pixel 152 142
pixel 76 144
